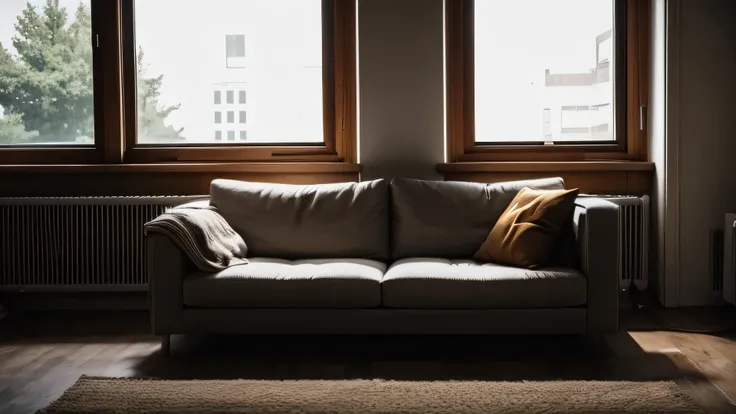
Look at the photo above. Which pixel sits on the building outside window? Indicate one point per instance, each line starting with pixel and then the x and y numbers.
pixel 561 54
pixel 245 63
pixel 235 51
pixel 583 100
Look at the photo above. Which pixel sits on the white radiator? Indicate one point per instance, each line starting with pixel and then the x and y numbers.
pixel 76 244
pixel 633 239
pixel 729 260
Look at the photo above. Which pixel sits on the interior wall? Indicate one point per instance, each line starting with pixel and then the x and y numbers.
pixel 658 154
pixel 401 83
pixel 706 119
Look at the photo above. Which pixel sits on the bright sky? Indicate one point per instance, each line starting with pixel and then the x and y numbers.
pixel 11 9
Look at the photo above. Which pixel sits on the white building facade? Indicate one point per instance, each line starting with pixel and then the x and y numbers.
pixel 242 74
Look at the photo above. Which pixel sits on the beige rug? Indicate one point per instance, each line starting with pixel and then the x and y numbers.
pixel 108 395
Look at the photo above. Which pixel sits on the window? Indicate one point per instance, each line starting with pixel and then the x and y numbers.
pixel 64 100
pixel 243 136
pixel 235 51
pixel 547 124
pixel 300 67
pixel 231 135
pixel 586 122
pixel 555 83
pixel 46 87
pixel 49 92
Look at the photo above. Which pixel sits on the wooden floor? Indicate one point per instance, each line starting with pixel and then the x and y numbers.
pixel 42 354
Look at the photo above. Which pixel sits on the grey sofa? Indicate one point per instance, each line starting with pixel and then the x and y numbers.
pixel 386 258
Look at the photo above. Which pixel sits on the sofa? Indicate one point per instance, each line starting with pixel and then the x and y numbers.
pixel 380 257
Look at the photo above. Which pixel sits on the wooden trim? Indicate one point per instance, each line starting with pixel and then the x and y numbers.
pixel 228 153
pixel 110 180
pixel 50 155
pixel 103 17
pixel 544 166
pixel 345 80
pixel 329 79
pixel 643 39
pixel 129 81
pixel 589 182
pixel 455 82
pixel 260 168
pixel 109 84
pixel 631 38
pixel 339 94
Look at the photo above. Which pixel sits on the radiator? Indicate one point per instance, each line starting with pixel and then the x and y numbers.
pixel 633 240
pixel 77 244
pixel 728 282
pixel 96 243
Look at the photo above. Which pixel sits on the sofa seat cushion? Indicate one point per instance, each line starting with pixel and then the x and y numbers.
pixel 428 283
pixel 277 283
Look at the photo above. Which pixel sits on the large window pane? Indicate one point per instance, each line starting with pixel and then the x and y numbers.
pixel 267 50
pixel 544 70
pixel 46 72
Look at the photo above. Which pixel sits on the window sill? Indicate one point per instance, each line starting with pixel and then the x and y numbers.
pixel 591 177
pixel 231 167
pixel 546 166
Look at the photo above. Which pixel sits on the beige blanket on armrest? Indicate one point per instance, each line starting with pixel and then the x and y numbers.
pixel 203 234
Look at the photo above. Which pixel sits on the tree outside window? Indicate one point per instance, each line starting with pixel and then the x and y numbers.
pixel 46 83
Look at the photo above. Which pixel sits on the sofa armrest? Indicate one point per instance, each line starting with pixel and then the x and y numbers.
pixel 596 224
pixel 166 264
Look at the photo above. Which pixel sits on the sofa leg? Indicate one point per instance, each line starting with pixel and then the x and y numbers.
pixel 166 345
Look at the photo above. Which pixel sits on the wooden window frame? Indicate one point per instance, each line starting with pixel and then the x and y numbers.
pixel 631 32
pixel 339 96
pixel 115 99
pixel 106 113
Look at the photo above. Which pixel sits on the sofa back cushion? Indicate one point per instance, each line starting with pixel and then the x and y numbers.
pixel 343 220
pixel 449 219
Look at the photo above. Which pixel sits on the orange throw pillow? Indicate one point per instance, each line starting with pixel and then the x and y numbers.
pixel 527 232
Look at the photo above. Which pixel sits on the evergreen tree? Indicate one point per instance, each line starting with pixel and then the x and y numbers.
pixel 48 84
pixel 12 130
pixel 151 115
pixel 51 84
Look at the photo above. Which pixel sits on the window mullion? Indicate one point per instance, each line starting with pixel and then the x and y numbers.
pixel 107 79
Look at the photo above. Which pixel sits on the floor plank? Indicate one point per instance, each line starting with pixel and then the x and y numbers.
pixel 41 355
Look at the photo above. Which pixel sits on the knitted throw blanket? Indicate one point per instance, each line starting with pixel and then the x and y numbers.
pixel 203 234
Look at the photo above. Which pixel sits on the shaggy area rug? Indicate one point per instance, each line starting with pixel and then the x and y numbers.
pixel 110 395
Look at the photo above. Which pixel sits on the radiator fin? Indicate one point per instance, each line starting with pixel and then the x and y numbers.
pixel 92 243
pixel 633 239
